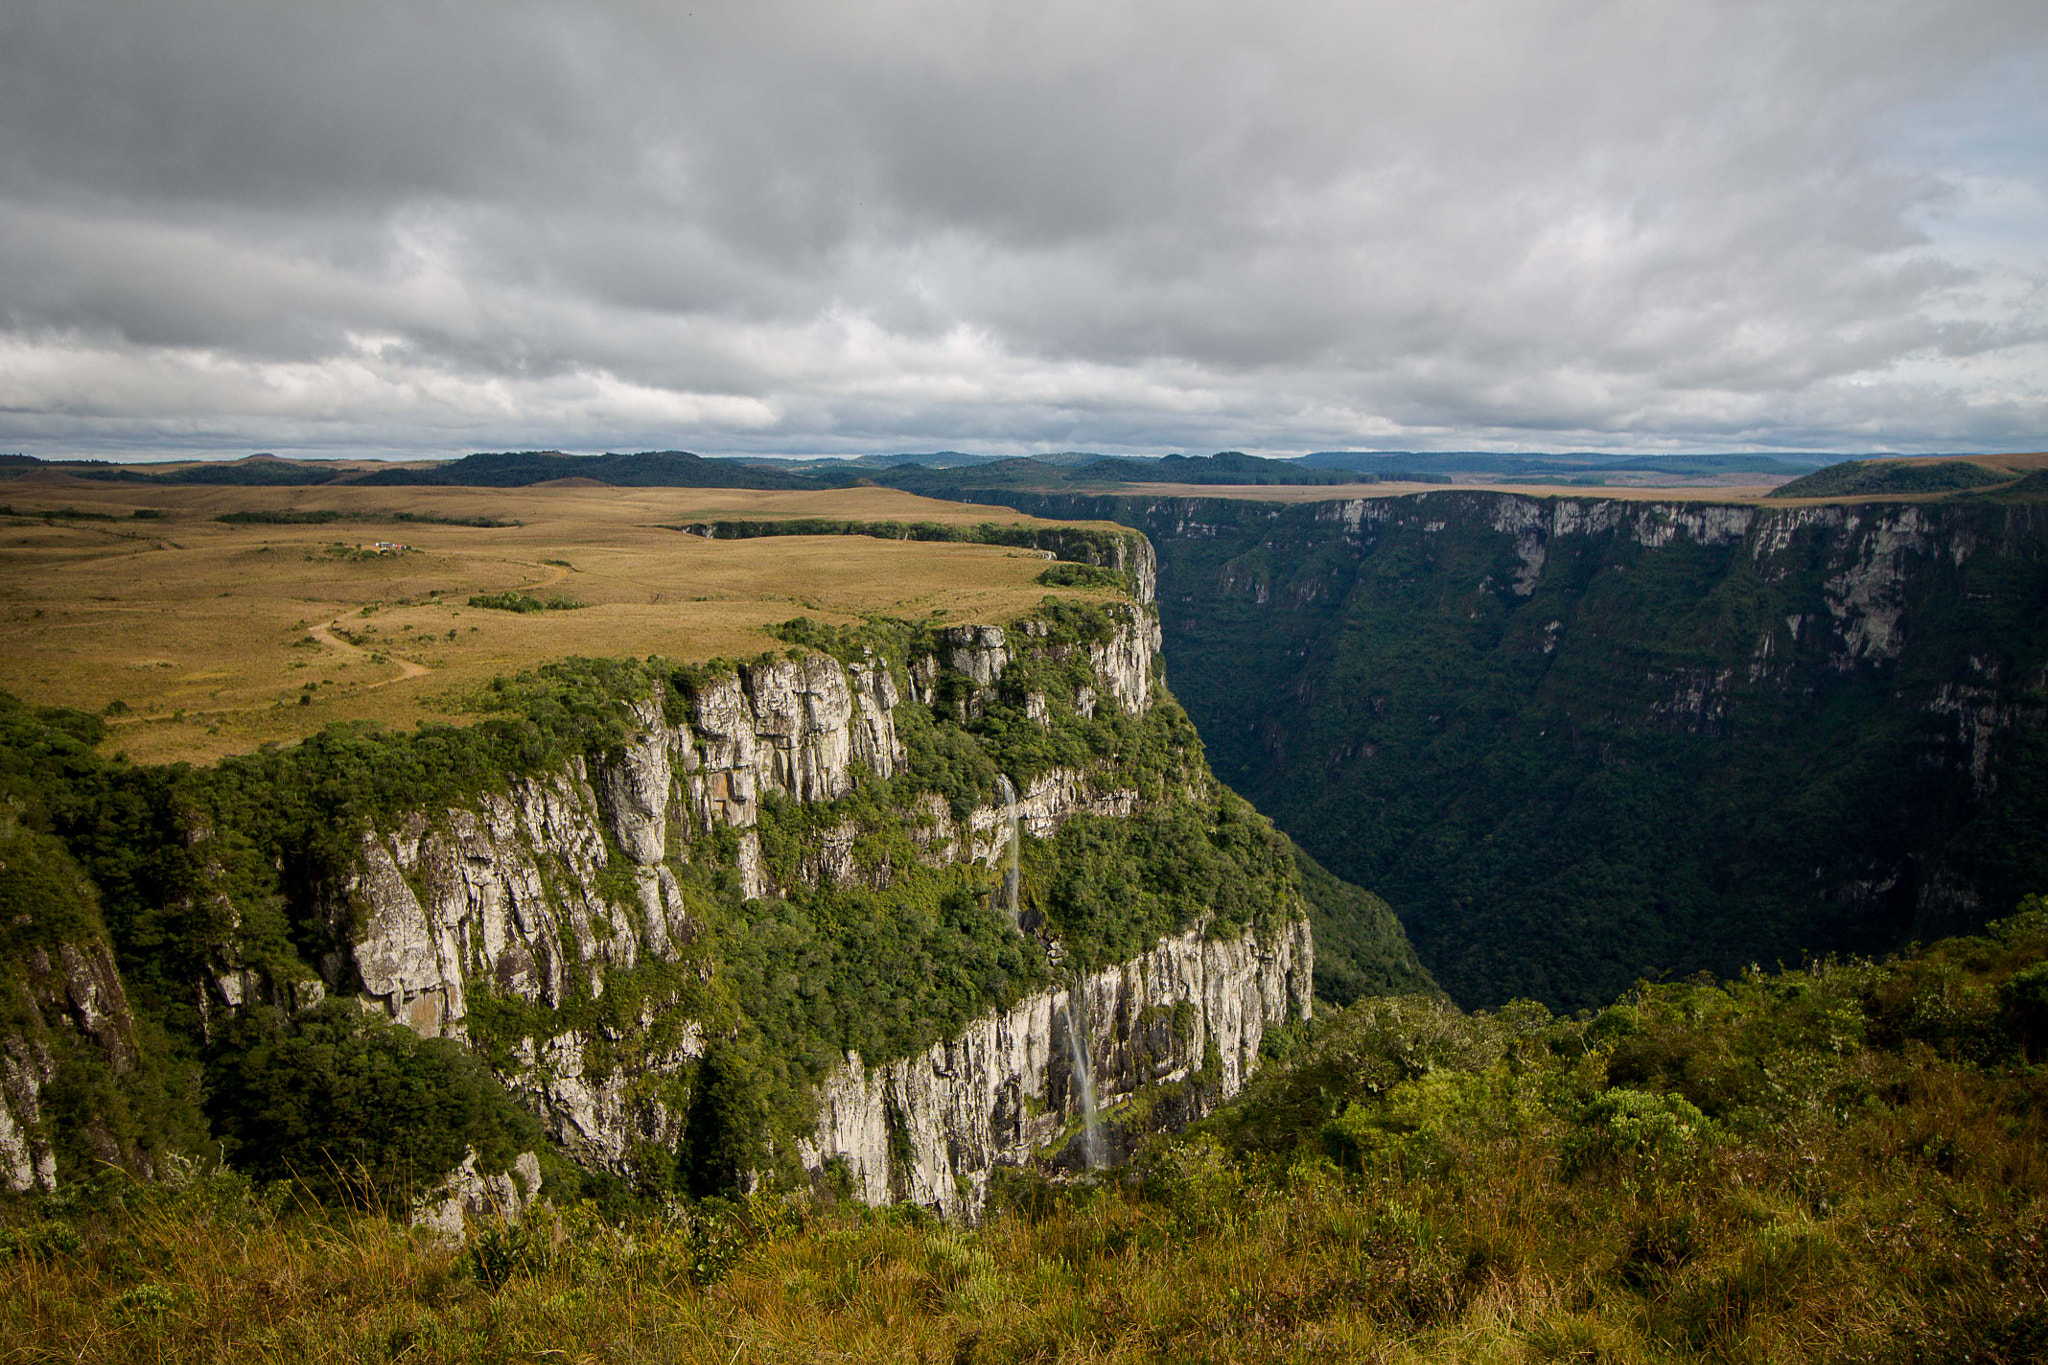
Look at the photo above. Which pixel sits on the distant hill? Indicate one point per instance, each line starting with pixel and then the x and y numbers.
pixel 1022 472
pixel 647 469
pixel 1383 462
pixel 947 473
pixel 1861 477
pixel 1224 467
pixel 1057 473
pixel 505 469
pixel 255 471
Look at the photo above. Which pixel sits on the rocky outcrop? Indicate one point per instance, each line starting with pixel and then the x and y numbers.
pixel 71 1005
pixel 977 657
pixel 467 1195
pixel 66 1031
pixel 28 1160
pixel 519 896
pixel 797 726
pixel 930 1128
pixel 1040 809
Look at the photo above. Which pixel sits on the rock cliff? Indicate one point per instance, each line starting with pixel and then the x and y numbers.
pixel 74 1006
pixel 930 1128
pixel 511 917
pixel 69 1058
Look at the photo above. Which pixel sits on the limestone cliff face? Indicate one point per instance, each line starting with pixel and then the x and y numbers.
pixel 507 896
pixel 66 1030
pixel 929 1128
pixel 797 727
pixel 72 1002
pixel 537 898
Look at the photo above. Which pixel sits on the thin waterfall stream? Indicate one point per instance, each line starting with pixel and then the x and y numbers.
pixel 1008 795
pixel 1079 1055
pixel 1084 1070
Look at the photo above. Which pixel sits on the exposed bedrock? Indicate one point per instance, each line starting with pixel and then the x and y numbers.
pixel 929 1128
pixel 536 896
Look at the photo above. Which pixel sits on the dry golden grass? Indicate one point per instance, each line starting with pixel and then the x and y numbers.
pixel 209 633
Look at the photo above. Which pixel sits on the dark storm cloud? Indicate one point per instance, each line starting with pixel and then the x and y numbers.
pixel 431 226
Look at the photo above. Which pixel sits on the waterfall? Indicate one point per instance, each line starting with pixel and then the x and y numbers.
pixel 1077 1005
pixel 1007 794
pixel 1078 1053
pixel 1084 1072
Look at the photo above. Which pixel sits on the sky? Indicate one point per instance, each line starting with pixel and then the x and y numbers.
pixel 434 226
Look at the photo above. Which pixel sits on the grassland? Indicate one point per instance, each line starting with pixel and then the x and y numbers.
pixel 199 638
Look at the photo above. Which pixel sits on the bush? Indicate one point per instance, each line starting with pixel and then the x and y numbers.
pixel 1197 1182
pixel 1631 1131
pixel 358 1109
pixel 2023 1003
pixel 522 603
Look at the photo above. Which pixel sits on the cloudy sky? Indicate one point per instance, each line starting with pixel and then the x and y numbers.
pixel 434 226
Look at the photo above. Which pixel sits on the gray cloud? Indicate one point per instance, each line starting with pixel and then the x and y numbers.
pixel 424 227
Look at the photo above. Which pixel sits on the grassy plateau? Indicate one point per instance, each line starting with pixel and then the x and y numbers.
pixel 199 637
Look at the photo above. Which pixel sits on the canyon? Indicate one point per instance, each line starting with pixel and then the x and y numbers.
pixel 1575 740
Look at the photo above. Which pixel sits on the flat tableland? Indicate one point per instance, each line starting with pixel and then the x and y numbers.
pixel 198 638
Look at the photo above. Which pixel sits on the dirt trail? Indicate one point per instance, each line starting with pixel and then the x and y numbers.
pixel 556 573
pixel 324 633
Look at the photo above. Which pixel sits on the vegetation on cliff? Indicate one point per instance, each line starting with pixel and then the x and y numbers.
pixel 1361 948
pixel 220 892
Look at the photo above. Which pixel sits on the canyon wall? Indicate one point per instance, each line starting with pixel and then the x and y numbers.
pixel 1576 740
pixel 880 908
pixel 930 1128
pixel 72 1069
pixel 540 895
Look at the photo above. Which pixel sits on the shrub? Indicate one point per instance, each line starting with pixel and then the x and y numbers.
pixel 522 603
pixel 1197 1182
pixel 358 1109
pixel 1654 1135
pixel 2023 1002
